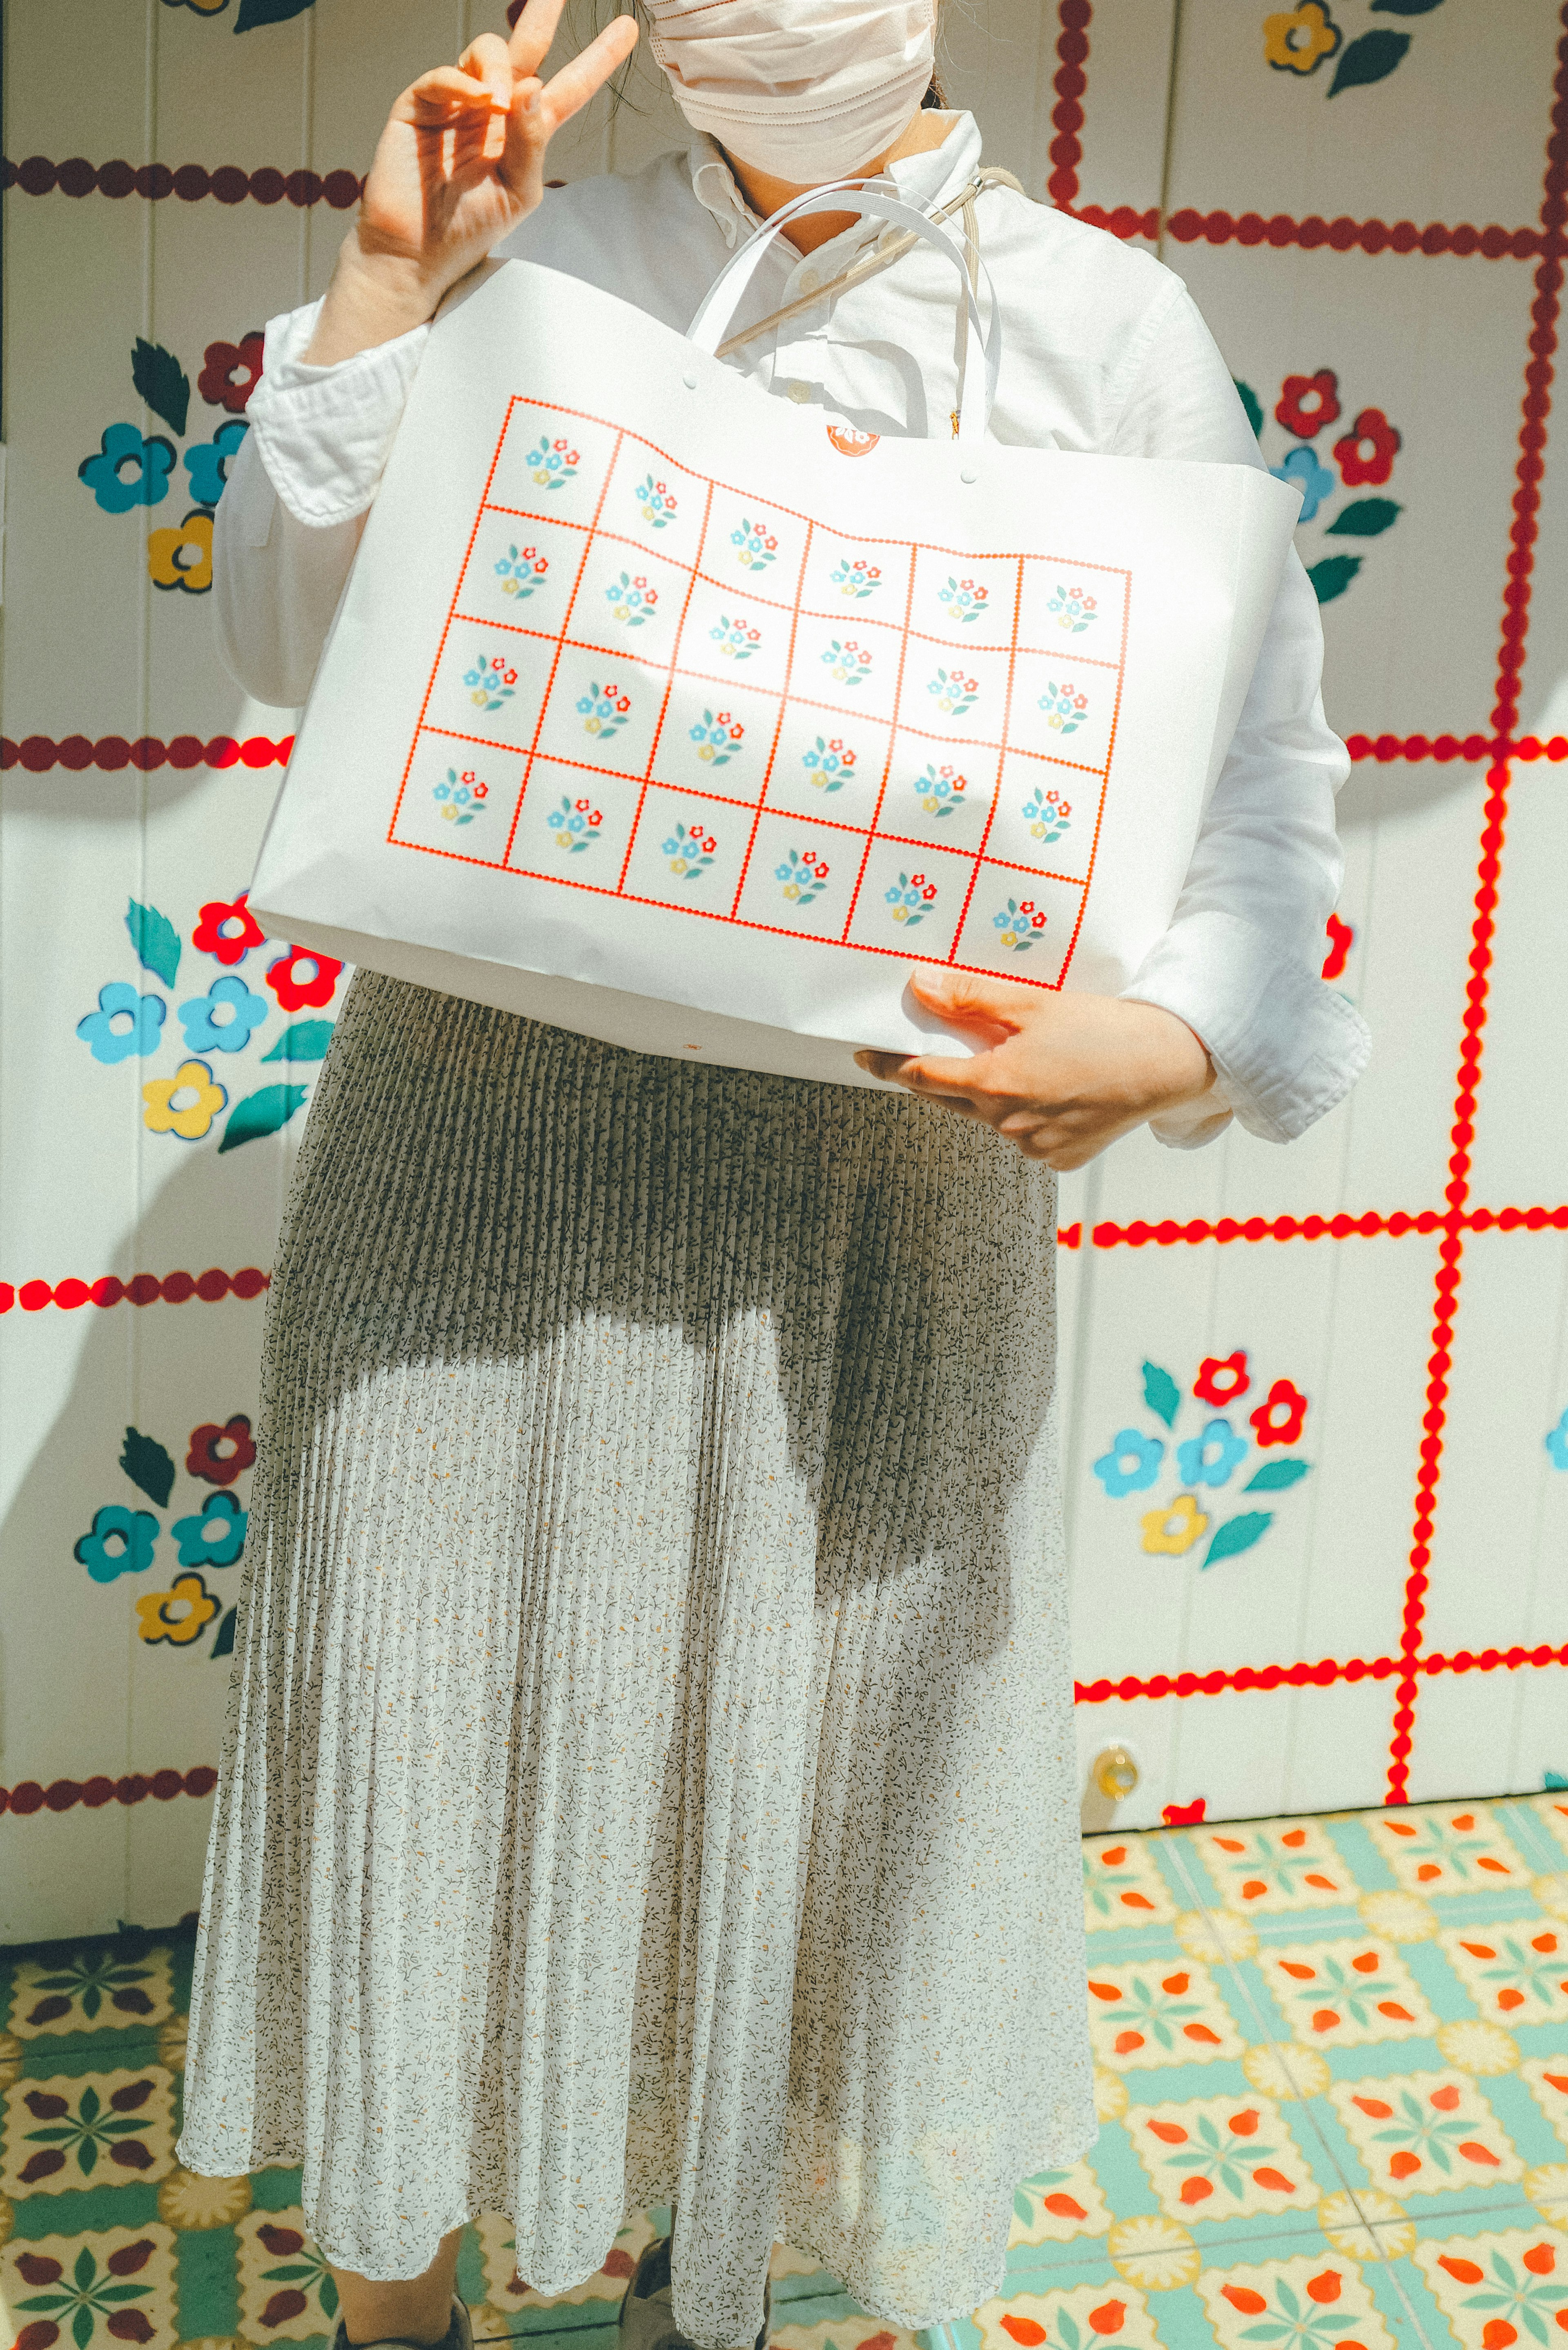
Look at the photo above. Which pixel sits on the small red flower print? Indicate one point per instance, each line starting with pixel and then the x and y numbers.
pixel 230 374
pixel 37 2268
pixel 1341 939
pixel 1308 402
pixel 1222 1381
pixel 1025 2330
pixel 1369 450
pixel 1325 2286
pixel 1242 2297
pixel 130 2257
pixel 1462 2272
pixel 1109 2318
pixel 1268 1425
pixel 1497 2334
pixel 1185 1815
pixel 283 2306
pixel 1062 2206
pixel 218 1454
pixel 214 936
pixel 302 981
pixel 131 2325
pixel 1539 2260
pixel 40 2336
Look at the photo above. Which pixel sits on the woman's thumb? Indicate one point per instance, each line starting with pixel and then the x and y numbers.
pixel 967 999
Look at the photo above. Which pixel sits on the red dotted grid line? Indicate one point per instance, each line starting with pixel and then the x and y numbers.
pixel 142 1289
pixel 1471 748
pixel 1189 226
pixel 1169 1233
pixel 63 1795
pixel 39 752
pixel 1066 150
pixel 1536 408
pixel 189 182
pixel 1321 1674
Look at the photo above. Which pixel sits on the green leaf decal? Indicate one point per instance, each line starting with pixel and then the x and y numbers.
pixel 1238 1534
pixel 269 12
pixel 1160 1392
pixel 1275 1475
pixel 1368 518
pixel 261 1114
pixel 303 1040
pixel 1251 403
pixel 1404 7
pixel 155 938
pixel 161 381
pixel 1332 576
pixel 1371 59
pixel 224 1646
pixel 147 1464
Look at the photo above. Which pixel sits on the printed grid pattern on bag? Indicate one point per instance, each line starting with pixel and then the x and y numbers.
pixel 656 687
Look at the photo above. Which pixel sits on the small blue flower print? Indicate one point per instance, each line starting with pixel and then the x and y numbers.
pixel 1209 1459
pixel 459 799
pixel 657 503
pixel 690 851
pixel 804 874
pixel 1063 707
pixel 520 574
pixel 604 709
pixel 222 1020
pixel 1314 480
pixel 1557 1443
pixel 848 662
pixel 216 1536
pixel 120 1002
pixel 940 790
pixel 1047 814
pixel 830 765
pixel 553 462
pixel 955 694
pixel 115 489
pixel 575 824
pixel 491 681
pixel 631 601
pixel 120 1541
pixel 719 739
pixel 1018 925
pixel 911 900
pixel 1132 1465
pixel 856 577
pixel 208 463
pixel 1075 611
pixel 754 547
pixel 737 639
pixel 966 599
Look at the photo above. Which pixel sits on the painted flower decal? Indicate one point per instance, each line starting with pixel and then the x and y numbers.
pixel 553 462
pixel 1131 1465
pixel 604 709
pixel 856 577
pixel 575 824
pixel 1222 1381
pixel 1018 925
pixel 940 790
pixel 208 463
pixel 214 1536
pixel 1268 1426
pixel 735 639
pixel 521 572
pixel 1171 1531
pixel 848 664
pixel 911 900
pixel 118 1542
pixel 91 2293
pixel 492 681
pixel 829 764
pixel 177 1616
pixel 1063 707
pixel 143 1016
pixel 1075 611
pixel 754 547
pixel 461 797
pixel 719 738
pixel 302 980
pixel 227 929
pixel 1047 815
pixel 1369 450
pixel 1308 402
pixel 954 693
pixel 689 852
pixel 631 600
pixel 966 599
pixel 1557 1443
pixel 1297 40
pixel 1522 2304
pixel 185 1104
pixel 656 503
pixel 1301 470
pixel 182 557
pixel 127 471
pixel 1209 1459
pixel 222 1020
pixel 804 874
pixel 218 1455
pixel 230 372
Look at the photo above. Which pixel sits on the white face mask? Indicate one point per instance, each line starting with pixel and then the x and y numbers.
pixel 807 89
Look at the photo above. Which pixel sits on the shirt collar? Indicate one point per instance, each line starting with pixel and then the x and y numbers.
pixel 926 181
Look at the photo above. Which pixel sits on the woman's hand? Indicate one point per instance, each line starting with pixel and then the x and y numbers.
pixel 460 163
pixel 1062 1075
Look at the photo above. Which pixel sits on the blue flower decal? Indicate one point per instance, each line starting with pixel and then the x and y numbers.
pixel 1315 481
pixel 120 1541
pixel 120 1002
pixel 1209 1459
pixel 1131 1465
pixel 1557 1443
pixel 208 463
pixel 216 1537
pixel 206 1032
pixel 116 490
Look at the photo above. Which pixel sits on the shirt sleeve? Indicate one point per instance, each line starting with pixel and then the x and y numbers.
pixel 1241 960
pixel 290 519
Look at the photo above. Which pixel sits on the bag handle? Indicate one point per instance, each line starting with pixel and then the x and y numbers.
pixel 719 304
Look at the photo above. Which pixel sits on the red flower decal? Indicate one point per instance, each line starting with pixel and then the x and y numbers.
pixel 208 1459
pixel 1369 450
pixel 1221 1380
pixel 1185 1815
pixel 1025 2330
pixel 232 372
pixel 40 2336
pixel 1497 2334
pixel 1341 939
pixel 131 2325
pixel 1325 2286
pixel 1109 2318
pixel 37 2268
pixel 1242 2297
pixel 1462 2272
pixel 130 2257
pixel 211 935
pixel 297 993
pixel 283 2306
pixel 1268 1426
pixel 42 2165
pixel 1308 402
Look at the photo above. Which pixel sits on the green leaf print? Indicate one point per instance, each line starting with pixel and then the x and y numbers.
pixel 261 1113
pixel 303 1040
pixel 161 381
pixel 147 1464
pixel 1332 576
pixel 155 938
pixel 1274 1476
pixel 1371 59
pixel 1238 1534
pixel 1251 403
pixel 1368 518
pixel 1161 1393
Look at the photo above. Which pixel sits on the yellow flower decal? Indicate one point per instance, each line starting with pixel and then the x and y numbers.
pixel 179 1615
pixel 1169 1532
pixel 1298 39
pixel 182 557
pixel 190 1117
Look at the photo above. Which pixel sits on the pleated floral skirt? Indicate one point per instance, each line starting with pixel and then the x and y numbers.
pixel 650 1773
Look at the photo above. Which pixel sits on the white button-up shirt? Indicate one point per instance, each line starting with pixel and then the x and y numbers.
pixel 1104 350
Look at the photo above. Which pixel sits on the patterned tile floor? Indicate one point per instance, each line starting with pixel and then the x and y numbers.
pixel 1332 2071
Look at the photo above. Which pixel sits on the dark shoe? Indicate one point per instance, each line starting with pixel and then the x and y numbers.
pixel 647 2314
pixel 459 2334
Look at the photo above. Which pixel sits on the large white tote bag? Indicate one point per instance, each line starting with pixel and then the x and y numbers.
pixel 667 712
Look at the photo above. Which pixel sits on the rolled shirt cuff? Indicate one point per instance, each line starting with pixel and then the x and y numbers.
pixel 323 432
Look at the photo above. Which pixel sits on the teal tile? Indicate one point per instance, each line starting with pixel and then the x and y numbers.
pixel 278 2188
pixel 206 2284
pixel 1360 1855
pixel 80 2211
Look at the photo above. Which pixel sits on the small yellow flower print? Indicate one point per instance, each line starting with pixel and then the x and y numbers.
pixel 1169 1532
pixel 166 1113
pixel 179 1615
pixel 1298 39
pixel 182 557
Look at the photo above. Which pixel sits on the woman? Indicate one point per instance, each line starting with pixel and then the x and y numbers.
pixel 650 1774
